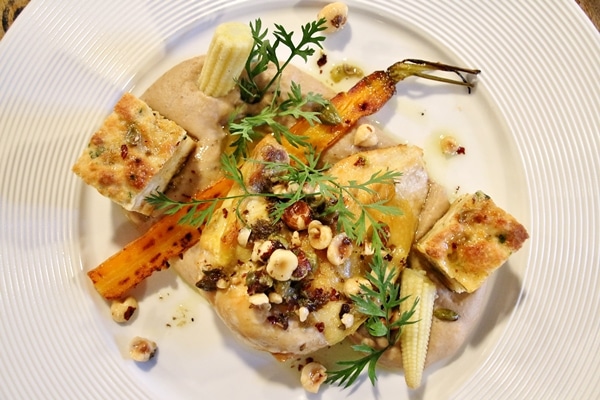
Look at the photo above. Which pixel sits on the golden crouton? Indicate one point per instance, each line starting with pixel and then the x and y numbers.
pixel 472 240
pixel 136 151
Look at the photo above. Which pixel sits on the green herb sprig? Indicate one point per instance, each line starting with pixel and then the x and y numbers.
pixel 378 302
pixel 198 212
pixel 303 174
pixel 310 174
pixel 264 52
pixel 247 129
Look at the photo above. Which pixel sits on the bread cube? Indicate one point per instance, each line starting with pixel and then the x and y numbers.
pixel 472 240
pixel 136 151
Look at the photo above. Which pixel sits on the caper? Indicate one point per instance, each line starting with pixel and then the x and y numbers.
pixel 133 135
pixel 329 115
pixel 445 314
pixel 343 71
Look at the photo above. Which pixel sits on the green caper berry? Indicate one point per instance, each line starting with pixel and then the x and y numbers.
pixel 445 314
pixel 329 115
pixel 133 135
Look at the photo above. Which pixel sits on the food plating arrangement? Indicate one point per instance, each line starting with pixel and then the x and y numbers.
pixel 298 218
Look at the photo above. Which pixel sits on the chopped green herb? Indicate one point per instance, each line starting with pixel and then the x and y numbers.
pixel 247 129
pixel 264 52
pixel 378 302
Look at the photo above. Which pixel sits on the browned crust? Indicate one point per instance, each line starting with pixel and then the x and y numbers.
pixel 472 240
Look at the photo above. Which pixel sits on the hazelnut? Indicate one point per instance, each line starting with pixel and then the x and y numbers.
pixel 275 298
pixel 319 235
pixel 142 349
pixel 297 216
pixel 365 136
pixel 304 266
pixel 353 285
pixel 295 241
pixel 259 300
pixel 282 264
pixel 263 250
pixel 339 250
pixel 348 320
pixel 368 249
pixel 303 314
pixel 312 376
pixel 449 146
pixel 243 236
pixel 123 310
pixel 336 15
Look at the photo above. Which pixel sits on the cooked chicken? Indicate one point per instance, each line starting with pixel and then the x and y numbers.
pixel 276 291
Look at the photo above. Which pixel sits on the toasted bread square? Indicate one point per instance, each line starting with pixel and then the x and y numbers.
pixel 472 240
pixel 136 151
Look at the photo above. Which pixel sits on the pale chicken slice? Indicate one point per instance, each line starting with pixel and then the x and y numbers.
pixel 312 309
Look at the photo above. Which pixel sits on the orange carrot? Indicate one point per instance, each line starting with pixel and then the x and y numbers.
pixel 151 251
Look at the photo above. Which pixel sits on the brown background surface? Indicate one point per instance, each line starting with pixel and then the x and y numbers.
pixel 592 9
pixel 12 8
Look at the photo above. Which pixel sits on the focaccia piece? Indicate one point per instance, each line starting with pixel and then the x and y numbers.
pixel 136 151
pixel 472 240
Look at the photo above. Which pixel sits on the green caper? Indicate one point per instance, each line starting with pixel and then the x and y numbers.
pixel 133 135
pixel 344 71
pixel 445 314
pixel 329 115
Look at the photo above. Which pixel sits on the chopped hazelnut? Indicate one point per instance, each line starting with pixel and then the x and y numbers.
pixel 365 136
pixel 348 320
pixel 352 286
pixel 339 250
pixel 123 310
pixel 142 349
pixel 449 146
pixel 319 235
pixel 275 298
pixel 262 251
pixel 336 15
pixel 259 300
pixel 312 376
pixel 243 236
pixel 282 264
pixel 297 216
pixel 303 314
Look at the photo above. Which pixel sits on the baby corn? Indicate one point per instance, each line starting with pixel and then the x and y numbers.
pixel 226 57
pixel 414 338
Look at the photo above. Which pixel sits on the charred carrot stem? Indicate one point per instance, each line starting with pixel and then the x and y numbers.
pixel 425 69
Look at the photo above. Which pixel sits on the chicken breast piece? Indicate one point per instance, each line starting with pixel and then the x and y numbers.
pixel 240 263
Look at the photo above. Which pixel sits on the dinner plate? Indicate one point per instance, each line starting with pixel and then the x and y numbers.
pixel 530 131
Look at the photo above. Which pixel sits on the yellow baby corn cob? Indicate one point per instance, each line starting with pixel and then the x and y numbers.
pixel 414 338
pixel 227 54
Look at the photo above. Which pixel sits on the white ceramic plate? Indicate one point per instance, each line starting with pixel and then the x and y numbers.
pixel 531 134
